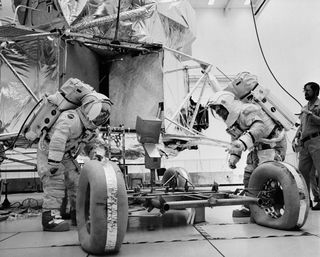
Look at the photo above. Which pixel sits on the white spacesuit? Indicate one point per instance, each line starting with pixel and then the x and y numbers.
pixel 56 162
pixel 250 129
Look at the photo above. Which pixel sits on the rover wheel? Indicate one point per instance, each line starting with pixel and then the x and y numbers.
pixel 283 193
pixel 102 208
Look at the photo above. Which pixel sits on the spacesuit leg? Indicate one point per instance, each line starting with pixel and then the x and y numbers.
pixel 53 193
pixel 266 155
pixel 72 183
pixel 252 163
pixel 53 185
pixel 247 173
pixel 281 149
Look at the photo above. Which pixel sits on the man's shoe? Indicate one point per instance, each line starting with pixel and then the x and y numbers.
pixel 241 213
pixel 316 207
pixel 52 221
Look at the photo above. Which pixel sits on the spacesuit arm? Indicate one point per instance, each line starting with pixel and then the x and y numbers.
pixel 58 140
pixel 256 128
pixel 253 134
pixel 235 154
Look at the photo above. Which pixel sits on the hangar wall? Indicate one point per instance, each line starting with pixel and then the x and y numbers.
pixel 288 32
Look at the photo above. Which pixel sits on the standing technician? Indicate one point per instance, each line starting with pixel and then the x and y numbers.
pixel 308 134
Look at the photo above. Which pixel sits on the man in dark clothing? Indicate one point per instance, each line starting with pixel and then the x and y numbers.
pixel 308 134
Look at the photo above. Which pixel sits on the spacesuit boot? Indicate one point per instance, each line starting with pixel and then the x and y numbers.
pixel 52 221
pixel 244 212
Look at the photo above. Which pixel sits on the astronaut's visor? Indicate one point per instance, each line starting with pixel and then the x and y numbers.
pixel 102 118
pixel 219 111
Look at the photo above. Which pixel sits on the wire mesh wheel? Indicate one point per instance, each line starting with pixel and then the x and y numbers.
pixel 283 193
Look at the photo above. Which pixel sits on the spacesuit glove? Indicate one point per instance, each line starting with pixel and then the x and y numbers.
pixel 233 160
pixel 236 147
pixel 53 166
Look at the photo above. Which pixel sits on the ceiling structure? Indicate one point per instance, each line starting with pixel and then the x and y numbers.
pixel 14 32
pixel 258 5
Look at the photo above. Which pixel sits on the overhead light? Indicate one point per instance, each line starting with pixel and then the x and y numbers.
pixel 211 2
pixel 247 2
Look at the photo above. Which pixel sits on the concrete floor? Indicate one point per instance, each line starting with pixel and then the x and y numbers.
pixel 148 234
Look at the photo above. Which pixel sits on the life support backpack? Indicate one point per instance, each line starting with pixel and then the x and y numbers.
pixel 69 96
pixel 247 89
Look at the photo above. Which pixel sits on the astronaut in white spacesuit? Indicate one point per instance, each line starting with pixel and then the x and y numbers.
pixel 250 129
pixel 57 167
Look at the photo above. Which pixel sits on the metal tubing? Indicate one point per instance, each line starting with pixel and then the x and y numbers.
pixel 18 76
pixel 186 55
pixel 210 203
pixel 22 6
pixel 19 161
pixel 191 92
pixel 16 171
pixel 37 35
pixel 117 22
pixel 194 115
pixel 213 82
pixel 164 184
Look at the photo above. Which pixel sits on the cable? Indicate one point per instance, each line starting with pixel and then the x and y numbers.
pixel 260 7
pixel 22 126
pixel 264 58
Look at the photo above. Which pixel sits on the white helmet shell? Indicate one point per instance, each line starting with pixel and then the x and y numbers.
pixel 96 108
pixel 229 102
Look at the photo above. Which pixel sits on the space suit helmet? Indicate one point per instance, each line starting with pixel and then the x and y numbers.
pixel 96 109
pixel 223 104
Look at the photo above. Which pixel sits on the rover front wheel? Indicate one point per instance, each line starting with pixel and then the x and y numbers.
pixel 283 193
pixel 102 208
